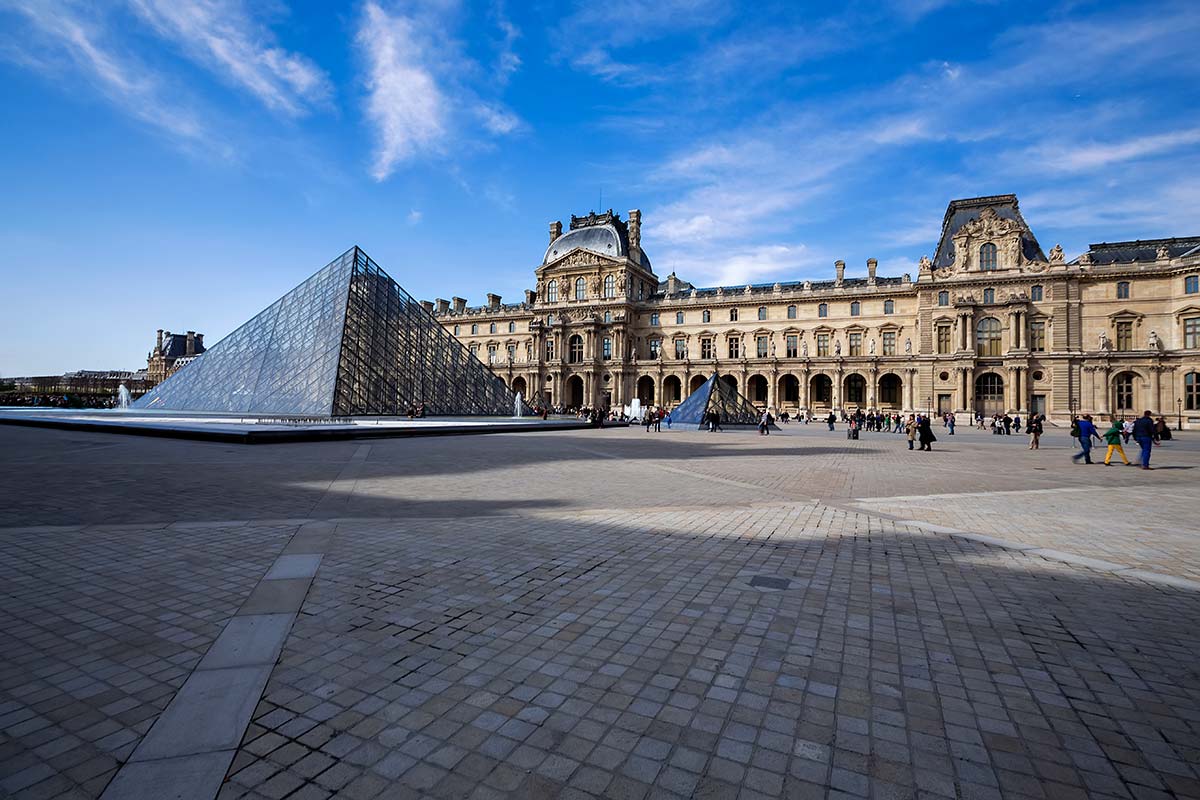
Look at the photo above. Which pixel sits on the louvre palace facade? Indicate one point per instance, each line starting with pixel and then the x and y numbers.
pixel 991 323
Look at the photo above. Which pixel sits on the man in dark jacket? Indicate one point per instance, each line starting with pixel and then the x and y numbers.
pixel 1143 431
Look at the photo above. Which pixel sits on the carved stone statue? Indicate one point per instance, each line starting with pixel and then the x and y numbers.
pixel 837 347
pixel 1056 254
pixel 1153 342
pixel 804 349
pixel 1103 340
pixel 871 350
pixel 907 347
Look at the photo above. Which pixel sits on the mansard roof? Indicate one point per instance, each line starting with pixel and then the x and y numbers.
pixel 1142 250
pixel 960 212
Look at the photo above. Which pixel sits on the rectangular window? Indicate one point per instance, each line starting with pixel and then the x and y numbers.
pixel 654 345
pixel 607 349
pixel 889 343
pixel 761 345
pixel 822 344
pixel 1124 336
pixel 943 339
pixel 793 348
pixel 735 348
pixel 680 348
pixel 1037 337
pixel 706 348
pixel 856 344
pixel 1191 333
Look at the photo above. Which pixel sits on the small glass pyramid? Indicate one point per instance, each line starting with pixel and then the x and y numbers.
pixel 349 341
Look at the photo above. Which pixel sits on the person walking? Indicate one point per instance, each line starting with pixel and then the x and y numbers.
pixel 1143 432
pixel 1112 437
pixel 1034 429
pixel 1086 432
pixel 925 433
pixel 910 429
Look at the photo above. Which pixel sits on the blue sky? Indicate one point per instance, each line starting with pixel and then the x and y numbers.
pixel 181 163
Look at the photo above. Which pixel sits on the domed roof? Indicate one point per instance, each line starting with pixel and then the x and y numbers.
pixel 607 237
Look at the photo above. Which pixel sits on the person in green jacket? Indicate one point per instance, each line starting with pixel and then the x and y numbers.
pixel 1112 437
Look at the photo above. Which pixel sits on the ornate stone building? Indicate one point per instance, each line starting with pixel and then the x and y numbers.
pixel 991 323
pixel 171 352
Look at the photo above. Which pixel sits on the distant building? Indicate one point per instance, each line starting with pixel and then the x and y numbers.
pixel 171 352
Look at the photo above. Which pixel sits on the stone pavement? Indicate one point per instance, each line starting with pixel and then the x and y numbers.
pixel 607 614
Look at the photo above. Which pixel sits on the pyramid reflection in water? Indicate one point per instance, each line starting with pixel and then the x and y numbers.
pixel 348 341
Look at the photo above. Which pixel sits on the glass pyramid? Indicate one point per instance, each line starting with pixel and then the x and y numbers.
pixel 349 341
pixel 716 395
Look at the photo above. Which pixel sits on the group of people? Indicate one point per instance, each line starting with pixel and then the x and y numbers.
pixel 1147 431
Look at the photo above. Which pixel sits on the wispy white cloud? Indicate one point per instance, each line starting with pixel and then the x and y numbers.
pixel 60 29
pixel 420 97
pixel 224 37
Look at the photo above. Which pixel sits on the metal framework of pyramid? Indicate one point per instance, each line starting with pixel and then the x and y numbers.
pixel 349 341
pixel 716 395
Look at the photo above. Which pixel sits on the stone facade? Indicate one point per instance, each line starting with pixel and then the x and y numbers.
pixel 991 324
pixel 171 352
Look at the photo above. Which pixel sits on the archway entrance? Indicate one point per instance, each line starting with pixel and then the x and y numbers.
pixel 989 394
pixel 821 391
pixel 645 390
pixel 757 388
pixel 789 390
pixel 855 391
pixel 672 390
pixel 574 391
pixel 889 391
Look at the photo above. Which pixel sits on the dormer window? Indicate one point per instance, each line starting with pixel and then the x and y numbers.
pixel 987 257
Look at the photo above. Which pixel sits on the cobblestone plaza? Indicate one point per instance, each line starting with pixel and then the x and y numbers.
pixel 605 613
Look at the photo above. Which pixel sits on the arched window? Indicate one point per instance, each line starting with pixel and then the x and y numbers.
pixel 943 298
pixel 855 308
pixel 610 286
pixel 678 317
pixel 987 257
pixel 552 292
pixel 1122 290
pixel 889 306
pixel 1035 293
pixel 580 289
pixel 733 315
pixel 575 349
pixel 762 312
pixel 1191 391
pixel 608 316
pixel 987 336
pixel 1123 391
pixel 706 316
pixel 474 328
pixel 823 310
pixel 512 327
pixel 492 328
pixel 1191 284
pixel 989 296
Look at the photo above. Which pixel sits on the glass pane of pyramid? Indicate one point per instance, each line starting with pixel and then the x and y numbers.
pixel 347 341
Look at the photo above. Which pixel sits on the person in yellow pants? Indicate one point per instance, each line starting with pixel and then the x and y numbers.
pixel 1112 437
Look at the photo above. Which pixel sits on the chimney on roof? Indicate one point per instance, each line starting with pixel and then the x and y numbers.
pixel 442 305
pixel 191 344
pixel 634 226
pixel 841 271
pixel 872 265
pixel 460 304
pixel 158 347
pixel 427 305
pixel 555 230
pixel 493 301
pixel 530 297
